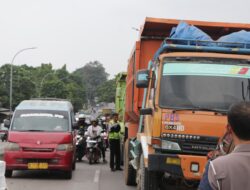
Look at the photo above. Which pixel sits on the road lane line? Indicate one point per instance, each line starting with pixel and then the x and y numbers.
pixel 97 176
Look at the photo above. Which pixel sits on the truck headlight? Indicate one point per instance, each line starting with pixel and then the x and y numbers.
pixel 169 145
pixel 65 147
pixel 11 146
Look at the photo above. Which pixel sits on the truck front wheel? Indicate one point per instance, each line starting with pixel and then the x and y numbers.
pixel 129 171
pixel 146 180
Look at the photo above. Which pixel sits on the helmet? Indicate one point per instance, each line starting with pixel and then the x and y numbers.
pixel 81 116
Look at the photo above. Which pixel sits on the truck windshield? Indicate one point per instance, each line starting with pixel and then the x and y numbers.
pixel 34 120
pixel 203 85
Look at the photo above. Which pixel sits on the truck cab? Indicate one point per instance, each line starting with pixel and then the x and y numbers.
pixel 188 96
pixel 187 90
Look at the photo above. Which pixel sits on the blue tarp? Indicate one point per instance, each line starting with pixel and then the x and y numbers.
pixel 190 32
pixel 236 37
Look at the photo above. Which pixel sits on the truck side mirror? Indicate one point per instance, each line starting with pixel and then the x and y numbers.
pixel 6 123
pixel 146 111
pixel 142 78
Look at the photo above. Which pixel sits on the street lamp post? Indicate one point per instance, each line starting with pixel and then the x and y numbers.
pixel 11 72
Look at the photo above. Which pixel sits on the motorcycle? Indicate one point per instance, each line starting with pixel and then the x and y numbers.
pixel 104 137
pixel 93 152
pixel 80 145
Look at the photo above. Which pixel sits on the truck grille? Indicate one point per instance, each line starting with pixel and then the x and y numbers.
pixel 190 144
pixel 197 148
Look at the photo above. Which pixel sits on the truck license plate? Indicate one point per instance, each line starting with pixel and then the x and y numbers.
pixel 173 161
pixel 35 166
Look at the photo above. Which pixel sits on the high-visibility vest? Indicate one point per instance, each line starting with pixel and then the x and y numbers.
pixel 113 135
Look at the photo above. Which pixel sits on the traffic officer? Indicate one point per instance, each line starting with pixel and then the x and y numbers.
pixel 114 142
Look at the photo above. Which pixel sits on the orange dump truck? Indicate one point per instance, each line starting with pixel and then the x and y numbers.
pixel 177 101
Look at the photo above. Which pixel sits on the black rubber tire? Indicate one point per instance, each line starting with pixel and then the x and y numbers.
pixel 74 165
pixel 8 173
pixel 148 179
pixel 91 158
pixel 79 158
pixel 68 174
pixel 129 171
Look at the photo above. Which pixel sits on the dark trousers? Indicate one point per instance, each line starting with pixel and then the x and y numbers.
pixel 114 153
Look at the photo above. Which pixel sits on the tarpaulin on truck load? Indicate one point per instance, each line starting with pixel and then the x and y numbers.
pixel 188 32
pixel 236 37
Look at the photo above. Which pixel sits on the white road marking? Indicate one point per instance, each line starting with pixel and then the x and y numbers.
pixel 97 176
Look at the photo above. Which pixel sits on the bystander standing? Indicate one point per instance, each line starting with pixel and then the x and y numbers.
pixel 232 171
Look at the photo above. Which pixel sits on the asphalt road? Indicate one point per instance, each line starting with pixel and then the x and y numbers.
pixel 87 177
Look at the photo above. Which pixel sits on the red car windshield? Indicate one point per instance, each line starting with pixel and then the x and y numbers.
pixel 45 120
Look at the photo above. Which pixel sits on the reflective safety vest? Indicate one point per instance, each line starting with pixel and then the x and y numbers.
pixel 113 135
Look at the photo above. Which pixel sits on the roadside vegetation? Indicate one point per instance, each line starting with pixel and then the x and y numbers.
pixel 88 84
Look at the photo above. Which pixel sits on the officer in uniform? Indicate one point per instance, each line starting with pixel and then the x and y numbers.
pixel 232 171
pixel 114 142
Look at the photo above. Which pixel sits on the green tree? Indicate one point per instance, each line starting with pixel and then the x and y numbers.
pixel 93 74
pixel 28 82
pixel 106 91
pixel 4 85
pixel 54 89
pixel 76 94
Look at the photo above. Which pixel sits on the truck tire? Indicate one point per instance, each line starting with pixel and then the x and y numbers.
pixel 8 173
pixel 129 171
pixel 147 180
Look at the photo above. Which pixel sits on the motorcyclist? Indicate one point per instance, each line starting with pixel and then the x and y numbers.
pixel 82 123
pixel 94 131
pixel 103 123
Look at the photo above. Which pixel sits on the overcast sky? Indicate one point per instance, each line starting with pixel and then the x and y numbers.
pixel 74 32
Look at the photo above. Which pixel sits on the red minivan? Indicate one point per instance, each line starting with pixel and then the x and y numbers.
pixel 41 137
